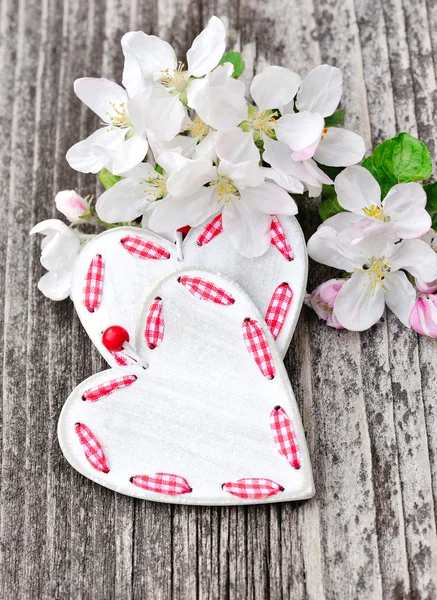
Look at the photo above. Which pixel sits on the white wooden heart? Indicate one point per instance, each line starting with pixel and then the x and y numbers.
pixel 206 423
pixel 127 277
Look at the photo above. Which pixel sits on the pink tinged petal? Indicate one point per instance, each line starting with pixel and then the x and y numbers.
pixel 341 221
pixel 340 148
pixel 172 213
pixel 299 130
pixel 356 189
pixel 416 257
pixel 358 306
pixel 405 205
pixel 324 248
pixel 322 301
pixel 423 317
pixel 400 296
pixel 99 95
pixel 321 91
pixel 207 48
pixel 55 286
pixel 247 228
pixel 192 176
pixel 129 154
pixel 306 153
pixel 70 204
pixel 237 146
pixel 274 87
pixel 270 199
pixel 152 54
pixel 426 287
pixel 218 99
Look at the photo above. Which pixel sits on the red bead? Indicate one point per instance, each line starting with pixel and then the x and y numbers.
pixel 114 337
pixel 184 230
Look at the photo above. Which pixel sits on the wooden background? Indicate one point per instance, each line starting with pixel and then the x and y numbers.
pixel 368 401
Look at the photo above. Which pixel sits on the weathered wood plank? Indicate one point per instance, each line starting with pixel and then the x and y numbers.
pixel 367 402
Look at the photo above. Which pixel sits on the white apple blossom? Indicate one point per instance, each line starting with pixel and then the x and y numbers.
pixel 73 206
pixel 375 263
pixel 305 131
pixel 237 190
pixel 423 316
pixel 322 301
pixel 59 251
pixel 401 215
pixel 429 287
pixel 121 143
pixel 150 61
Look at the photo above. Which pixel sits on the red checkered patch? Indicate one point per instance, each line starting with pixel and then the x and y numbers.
pixel 279 240
pixel 254 489
pixel 206 290
pixel 143 248
pixel 154 331
pixel 123 360
pixel 162 483
pixel 92 291
pixel 92 448
pixel 278 308
pixel 211 230
pixel 258 347
pixel 284 436
pixel 105 389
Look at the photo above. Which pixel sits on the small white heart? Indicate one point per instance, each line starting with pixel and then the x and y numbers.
pixel 127 278
pixel 209 422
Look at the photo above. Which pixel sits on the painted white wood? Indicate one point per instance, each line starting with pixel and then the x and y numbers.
pixel 128 278
pixel 201 410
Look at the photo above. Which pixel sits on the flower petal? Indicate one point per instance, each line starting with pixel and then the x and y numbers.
pixel 247 228
pixel 357 188
pixel 99 94
pixel 129 154
pixel 237 146
pixel 173 213
pixel 416 257
pixel 324 248
pixel 218 98
pixel 82 156
pixel 157 110
pixel 400 296
pixel 423 317
pixel 193 175
pixel 358 306
pixel 288 182
pixel 55 286
pixel 405 205
pixel 340 221
pixel 243 174
pixel 274 87
pixel 321 90
pixel 270 199
pixel 340 148
pixel 300 130
pixel 207 48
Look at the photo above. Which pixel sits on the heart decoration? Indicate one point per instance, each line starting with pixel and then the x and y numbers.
pixel 116 269
pixel 206 415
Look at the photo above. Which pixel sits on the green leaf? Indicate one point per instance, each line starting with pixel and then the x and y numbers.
pixel 108 179
pixel 329 207
pixel 399 160
pixel 431 205
pixel 237 60
pixel 337 118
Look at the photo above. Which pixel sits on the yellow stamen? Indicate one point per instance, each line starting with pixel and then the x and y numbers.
pixel 225 189
pixel 374 212
pixel 176 79
pixel 377 272
pixel 119 118
pixel 263 122
pixel 198 129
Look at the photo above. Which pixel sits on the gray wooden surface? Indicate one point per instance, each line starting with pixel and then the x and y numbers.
pixel 369 402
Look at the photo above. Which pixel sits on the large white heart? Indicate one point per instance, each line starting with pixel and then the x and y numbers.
pixel 127 278
pixel 213 420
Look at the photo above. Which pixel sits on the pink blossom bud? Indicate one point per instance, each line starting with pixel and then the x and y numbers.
pixel 423 316
pixel 322 301
pixel 70 204
pixel 426 288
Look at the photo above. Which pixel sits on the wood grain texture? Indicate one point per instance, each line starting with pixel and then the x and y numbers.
pixel 368 402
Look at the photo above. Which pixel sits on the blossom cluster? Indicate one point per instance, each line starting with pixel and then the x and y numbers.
pixel 178 144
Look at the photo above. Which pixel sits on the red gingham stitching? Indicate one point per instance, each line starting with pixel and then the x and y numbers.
pixel 94 284
pixel 144 248
pixel 278 308
pixel 104 389
pixel 251 488
pixel 210 231
pixel 92 448
pixel 206 290
pixel 258 347
pixel 284 436
pixel 279 240
pixel 162 483
pixel 123 360
pixel 154 331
